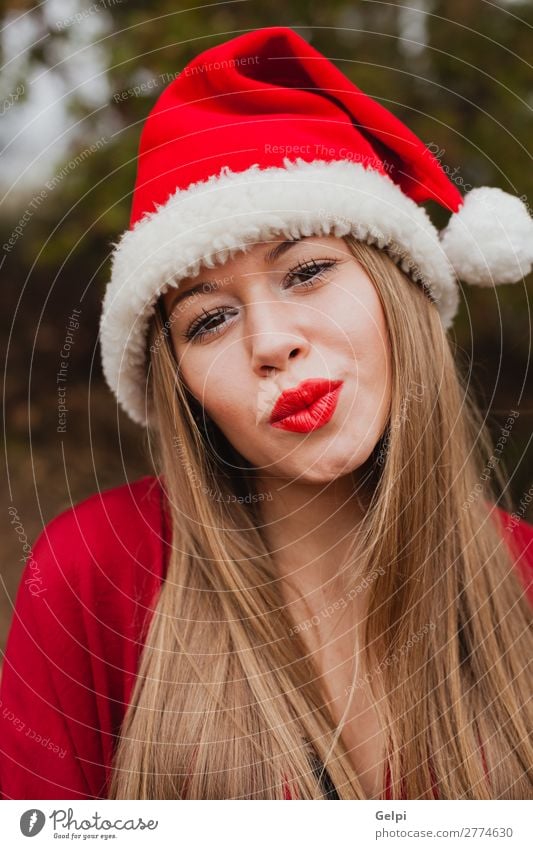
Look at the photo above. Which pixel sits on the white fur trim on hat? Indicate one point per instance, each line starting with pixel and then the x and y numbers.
pixel 207 223
pixel 490 239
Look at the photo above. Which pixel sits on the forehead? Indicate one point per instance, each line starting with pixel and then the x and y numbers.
pixel 265 254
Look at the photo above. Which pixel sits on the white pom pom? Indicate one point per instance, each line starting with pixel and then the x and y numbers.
pixel 490 239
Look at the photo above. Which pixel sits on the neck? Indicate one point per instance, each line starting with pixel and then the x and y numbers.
pixel 311 529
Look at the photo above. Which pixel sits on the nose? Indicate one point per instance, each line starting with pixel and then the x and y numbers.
pixel 274 335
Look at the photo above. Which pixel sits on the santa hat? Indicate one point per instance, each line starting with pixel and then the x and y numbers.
pixel 263 136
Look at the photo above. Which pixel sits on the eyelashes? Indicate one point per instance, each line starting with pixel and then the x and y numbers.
pixel 313 272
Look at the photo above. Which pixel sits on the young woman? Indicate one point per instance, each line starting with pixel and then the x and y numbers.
pixel 316 595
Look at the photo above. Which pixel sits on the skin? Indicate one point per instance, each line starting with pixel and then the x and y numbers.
pixel 276 332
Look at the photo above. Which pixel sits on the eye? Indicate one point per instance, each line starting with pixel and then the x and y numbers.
pixel 206 325
pixel 312 271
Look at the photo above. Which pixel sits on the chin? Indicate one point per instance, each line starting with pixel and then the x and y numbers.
pixel 329 465
pixel 325 473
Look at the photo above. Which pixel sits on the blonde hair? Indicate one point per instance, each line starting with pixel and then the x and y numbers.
pixel 227 705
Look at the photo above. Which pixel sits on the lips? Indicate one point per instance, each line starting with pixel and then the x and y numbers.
pixel 302 397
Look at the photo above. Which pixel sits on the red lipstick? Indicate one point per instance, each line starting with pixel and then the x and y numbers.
pixel 308 406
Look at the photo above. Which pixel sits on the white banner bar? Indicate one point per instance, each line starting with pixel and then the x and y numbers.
pixel 252 824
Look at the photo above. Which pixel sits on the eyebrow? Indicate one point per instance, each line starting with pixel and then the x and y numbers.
pixel 270 258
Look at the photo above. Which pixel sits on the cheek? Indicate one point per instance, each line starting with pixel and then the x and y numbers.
pixel 372 353
pixel 213 383
pixel 366 345
pixel 361 329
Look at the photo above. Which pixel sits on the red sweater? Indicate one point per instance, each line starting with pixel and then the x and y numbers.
pixel 82 609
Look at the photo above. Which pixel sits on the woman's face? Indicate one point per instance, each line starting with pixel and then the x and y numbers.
pixel 259 325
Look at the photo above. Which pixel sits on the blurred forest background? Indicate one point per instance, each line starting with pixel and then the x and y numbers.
pixel 457 72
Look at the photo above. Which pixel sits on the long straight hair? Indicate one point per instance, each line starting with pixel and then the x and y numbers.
pixel 227 702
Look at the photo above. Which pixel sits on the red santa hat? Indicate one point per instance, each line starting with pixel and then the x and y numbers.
pixel 262 137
